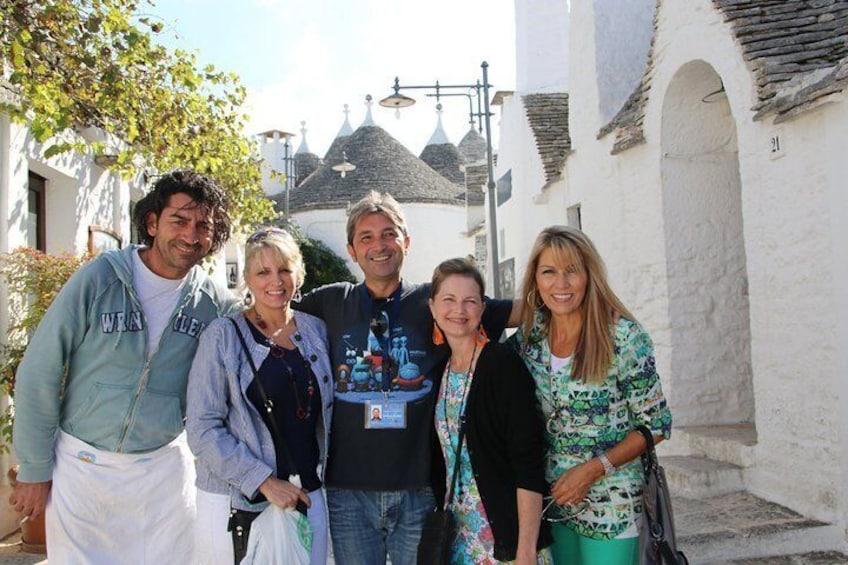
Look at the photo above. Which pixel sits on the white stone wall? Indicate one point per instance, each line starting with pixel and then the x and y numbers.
pixel 792 273
pixel 519 218
pixel 836 167
pixel 787 233
pixel 541 51
pixel 437 232
pixel 705 254
pixel 273 153
pixel 623 31
pixel 621 206
pixel 676 260
pixel 78 194
pixel 328 226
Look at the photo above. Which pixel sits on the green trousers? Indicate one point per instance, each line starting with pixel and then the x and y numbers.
pixel 570 548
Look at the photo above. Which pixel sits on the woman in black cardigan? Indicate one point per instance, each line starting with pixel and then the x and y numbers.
pixel 498 494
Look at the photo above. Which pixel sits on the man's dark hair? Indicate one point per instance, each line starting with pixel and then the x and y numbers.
pixel 204 191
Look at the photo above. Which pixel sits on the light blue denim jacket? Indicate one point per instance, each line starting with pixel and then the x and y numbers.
pixel 233 446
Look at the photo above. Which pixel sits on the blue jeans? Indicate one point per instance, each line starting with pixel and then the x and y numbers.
pixel 365 526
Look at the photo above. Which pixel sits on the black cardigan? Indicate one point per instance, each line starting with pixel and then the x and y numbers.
pixel 505 439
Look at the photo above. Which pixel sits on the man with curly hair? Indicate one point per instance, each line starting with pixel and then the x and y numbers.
pixel 100 394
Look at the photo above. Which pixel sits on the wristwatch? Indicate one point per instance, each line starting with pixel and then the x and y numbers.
pixel 609 468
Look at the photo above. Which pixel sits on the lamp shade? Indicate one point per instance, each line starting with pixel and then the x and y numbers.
pixel 397 100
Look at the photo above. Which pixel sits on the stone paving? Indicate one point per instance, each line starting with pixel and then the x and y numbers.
pixel 816 558
pixel 734 514
pixel 739 524
pixel 11 554
pixel 735 524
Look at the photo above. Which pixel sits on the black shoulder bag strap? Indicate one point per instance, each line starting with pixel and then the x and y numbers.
pixel 456 462
pixel 266 402
pixel 241 521
pixel 462 419
pixel 650 453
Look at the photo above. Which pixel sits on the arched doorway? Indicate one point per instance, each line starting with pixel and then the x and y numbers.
pixel 705 252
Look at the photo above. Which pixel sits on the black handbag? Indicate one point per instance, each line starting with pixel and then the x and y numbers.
pixel 657 541
pixel 437 537
pixel 439 528
pixel 239 528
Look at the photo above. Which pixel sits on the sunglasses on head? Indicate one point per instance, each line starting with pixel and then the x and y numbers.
pixel 264 233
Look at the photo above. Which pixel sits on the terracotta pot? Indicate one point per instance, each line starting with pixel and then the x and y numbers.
pixel 33 536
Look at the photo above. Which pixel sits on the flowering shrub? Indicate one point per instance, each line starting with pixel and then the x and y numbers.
pixel 33 280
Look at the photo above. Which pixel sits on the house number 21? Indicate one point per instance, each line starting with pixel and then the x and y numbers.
pixel 776 145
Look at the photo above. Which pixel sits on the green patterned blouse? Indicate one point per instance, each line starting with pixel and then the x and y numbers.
pixel 591 419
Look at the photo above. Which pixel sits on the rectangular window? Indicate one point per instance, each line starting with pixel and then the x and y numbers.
pixel 36 232
pixel 573 215
pixel 134 239
pixel 504 187
pixel 507 278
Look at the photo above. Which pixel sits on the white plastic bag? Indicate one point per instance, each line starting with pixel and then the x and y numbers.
pixel 279 536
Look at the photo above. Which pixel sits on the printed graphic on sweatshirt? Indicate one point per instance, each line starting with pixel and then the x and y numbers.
pixel 187 325
pixel 111 322
pixel 379 365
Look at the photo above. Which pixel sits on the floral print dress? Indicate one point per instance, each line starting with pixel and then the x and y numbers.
pixel 474 543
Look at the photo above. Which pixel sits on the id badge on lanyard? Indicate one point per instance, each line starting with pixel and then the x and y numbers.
pixel 385 413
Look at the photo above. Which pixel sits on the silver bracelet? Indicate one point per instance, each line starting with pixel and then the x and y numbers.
pixel 609 468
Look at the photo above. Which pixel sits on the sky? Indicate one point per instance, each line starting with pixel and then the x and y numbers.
pixel 303 60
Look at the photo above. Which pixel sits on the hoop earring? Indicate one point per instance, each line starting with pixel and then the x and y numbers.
pixel 438 336
pixel 533 300
pixel 481 339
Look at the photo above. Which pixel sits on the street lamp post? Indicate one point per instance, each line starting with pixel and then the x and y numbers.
pixel 398 100
pixel 288 170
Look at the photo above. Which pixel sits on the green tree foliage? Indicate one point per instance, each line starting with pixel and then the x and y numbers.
pixel 322 265
pixel 82 63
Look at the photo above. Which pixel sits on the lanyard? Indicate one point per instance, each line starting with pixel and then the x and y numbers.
pixel 466 387
pixel 381 320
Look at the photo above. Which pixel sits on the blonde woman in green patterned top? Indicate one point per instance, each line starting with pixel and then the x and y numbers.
pixel 596 381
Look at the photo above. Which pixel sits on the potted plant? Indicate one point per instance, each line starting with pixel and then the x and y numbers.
pixel 33 279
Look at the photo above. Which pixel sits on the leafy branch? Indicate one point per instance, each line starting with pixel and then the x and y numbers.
pixel 83 63
pixel 33 280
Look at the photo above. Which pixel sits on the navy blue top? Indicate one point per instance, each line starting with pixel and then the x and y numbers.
pixel 287 380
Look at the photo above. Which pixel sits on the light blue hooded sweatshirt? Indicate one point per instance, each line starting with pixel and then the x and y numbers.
pixel 113 398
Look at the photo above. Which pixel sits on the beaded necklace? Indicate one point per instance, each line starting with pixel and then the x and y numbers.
pixel 277 351
pixel 303 411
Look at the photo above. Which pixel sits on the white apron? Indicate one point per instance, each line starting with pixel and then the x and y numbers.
pixel 115 508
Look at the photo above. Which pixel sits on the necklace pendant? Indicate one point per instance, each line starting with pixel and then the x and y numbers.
pixel 260 323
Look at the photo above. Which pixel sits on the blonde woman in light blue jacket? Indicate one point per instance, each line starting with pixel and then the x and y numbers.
pixel 240 466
